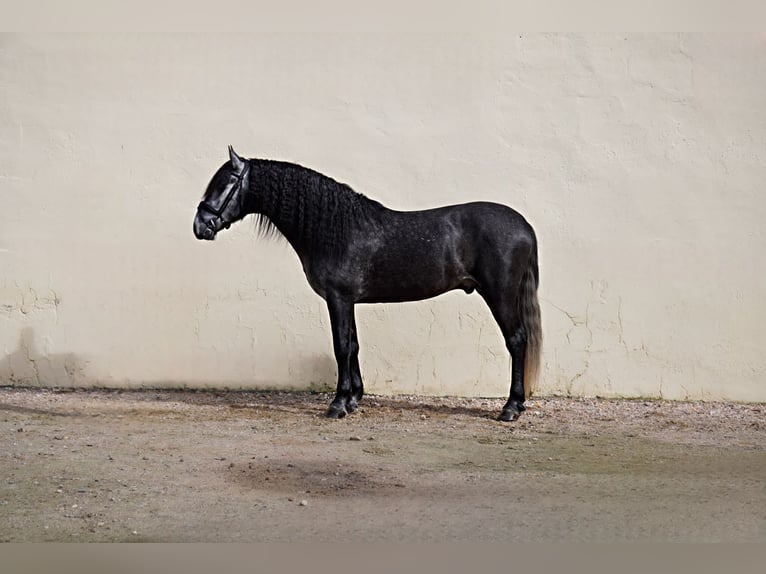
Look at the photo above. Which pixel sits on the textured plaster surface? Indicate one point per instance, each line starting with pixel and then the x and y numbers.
pixel 640 160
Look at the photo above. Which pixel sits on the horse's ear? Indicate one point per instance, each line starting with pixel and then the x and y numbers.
pixel 237 162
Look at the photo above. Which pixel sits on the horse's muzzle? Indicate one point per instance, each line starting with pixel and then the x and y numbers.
pixel 203 230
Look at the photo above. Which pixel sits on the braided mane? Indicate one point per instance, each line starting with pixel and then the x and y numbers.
pixel 306 206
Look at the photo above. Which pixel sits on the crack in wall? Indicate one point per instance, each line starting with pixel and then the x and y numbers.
pixel 620 332
pixel 25 305
pixel 26 348
pixel 431 323
pixel 28 302
pixel 602 344
pixel 576 322
pixel 27 366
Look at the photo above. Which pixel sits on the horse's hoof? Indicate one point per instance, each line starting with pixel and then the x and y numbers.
pixel 336 412
pixel 352 405
pixel 509 415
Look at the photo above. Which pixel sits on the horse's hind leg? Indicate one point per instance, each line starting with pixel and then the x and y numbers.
pixel 503 304
pixel 517 346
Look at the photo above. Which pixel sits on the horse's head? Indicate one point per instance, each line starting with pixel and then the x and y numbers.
pixel 224 199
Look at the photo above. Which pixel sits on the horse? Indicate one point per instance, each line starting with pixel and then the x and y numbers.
pixel 355 250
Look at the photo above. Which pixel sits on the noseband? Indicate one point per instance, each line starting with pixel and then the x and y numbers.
pixel 219 212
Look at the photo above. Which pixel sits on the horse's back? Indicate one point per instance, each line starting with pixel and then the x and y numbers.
pixel 477 228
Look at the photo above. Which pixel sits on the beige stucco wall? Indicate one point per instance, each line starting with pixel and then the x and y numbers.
pixel 639 159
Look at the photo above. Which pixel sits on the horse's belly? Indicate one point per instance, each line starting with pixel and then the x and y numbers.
pixel 418 256
pixel 412 280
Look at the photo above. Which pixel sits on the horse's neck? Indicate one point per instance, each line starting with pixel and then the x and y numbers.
pixel 316 214
pixel 277 203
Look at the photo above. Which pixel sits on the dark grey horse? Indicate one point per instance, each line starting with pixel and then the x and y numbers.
pixel 355 250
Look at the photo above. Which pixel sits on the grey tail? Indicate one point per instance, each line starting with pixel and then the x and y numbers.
pixel 530 318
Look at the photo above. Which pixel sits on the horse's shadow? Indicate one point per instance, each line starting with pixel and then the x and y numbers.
pixel 434 406
pixel 313 404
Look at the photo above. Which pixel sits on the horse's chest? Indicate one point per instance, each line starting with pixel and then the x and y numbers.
pixel 329 275
pixel 316 281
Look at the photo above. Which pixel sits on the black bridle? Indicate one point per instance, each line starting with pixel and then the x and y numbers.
pixel 219 212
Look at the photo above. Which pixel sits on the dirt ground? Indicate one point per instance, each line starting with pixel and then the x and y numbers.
pixel 267 466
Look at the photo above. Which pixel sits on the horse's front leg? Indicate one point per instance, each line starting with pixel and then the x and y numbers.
pixel 345 346
pixel 357 387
